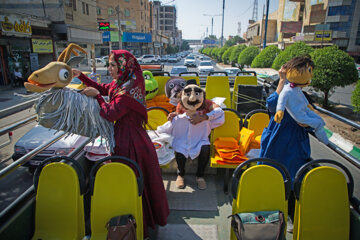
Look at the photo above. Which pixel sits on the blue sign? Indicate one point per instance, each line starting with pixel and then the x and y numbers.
pixel 208 41
pixel 106 36
pixel 136 37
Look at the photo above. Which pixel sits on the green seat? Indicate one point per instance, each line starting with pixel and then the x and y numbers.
pixel 322 209
pixel 59 206
pixel 115 191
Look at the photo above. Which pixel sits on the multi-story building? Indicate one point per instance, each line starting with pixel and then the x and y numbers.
pixel 160 41
pixel 256 31
pixel 134 17
pixel 37 31
pixel 167 19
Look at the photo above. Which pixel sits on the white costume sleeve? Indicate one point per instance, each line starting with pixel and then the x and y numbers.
pixel 217 117
pixel 217 112
pixel 165 128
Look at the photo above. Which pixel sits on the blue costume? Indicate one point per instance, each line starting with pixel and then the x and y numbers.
pixel 286 142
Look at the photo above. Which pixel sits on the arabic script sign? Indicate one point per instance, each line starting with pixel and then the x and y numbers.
pixel 42 45
pixel 15 26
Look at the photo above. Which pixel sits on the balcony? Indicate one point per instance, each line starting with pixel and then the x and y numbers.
pixel 338 18
pixel 334 3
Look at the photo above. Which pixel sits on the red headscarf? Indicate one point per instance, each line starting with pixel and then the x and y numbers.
pixel 130 81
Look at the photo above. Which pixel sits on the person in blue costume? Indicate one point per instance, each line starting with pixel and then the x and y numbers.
pixel 286 142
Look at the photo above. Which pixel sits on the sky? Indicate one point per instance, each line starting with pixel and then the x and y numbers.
pixel 192 22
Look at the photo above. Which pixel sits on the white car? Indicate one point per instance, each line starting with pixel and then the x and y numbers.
pixel 148 59
pixel 205 67
pixel 176 70
pixel 190 61
pixel 232 71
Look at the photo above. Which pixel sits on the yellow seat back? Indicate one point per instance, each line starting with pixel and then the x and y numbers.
pixel 192 77
pixel 230 128
pixel 260 188
pixel 322 211
pixel 257 122
pixel 162 82
pixel 243 80
pixel 157 116
pixel 218 86
pixel 115 193
pixel 59 211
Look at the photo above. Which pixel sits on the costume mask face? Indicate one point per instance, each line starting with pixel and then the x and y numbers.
pixel 300 76
pixel 172 89
pixel 192 97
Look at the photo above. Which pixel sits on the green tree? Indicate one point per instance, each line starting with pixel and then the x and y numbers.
pixel 221 52
pixel 333 67
pixel 266 57
pixel 235 54
pixel 226 56
pixel 247 56
pixel 294 50
pixel 355 98
pixel 234 40
pixel 185 46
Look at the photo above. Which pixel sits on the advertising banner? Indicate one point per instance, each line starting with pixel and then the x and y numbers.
pixel 323 36
pixel 13 26
pixel 136 37
pixel 291 27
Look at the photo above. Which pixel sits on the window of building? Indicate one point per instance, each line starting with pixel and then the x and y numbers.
pixel 98 11
pixel 127 12
pixel 83 7
pixel 357 41
pixel 74 5
pixel 110 11
pixel 340 10
pixel 68 3
pixel 87 9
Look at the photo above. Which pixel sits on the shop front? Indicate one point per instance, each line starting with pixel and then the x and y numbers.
pixel 137 43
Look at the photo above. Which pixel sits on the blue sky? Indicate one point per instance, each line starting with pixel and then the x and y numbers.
pixel 193 24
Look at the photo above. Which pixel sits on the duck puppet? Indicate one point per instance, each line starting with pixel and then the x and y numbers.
pixel 62 108
pixel 299 71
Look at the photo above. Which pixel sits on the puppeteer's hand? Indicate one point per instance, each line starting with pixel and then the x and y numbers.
pixel 197 118
pixel 76 72
pixel 171 116
pixel 311 107
pixel 278 116
pixel 90 92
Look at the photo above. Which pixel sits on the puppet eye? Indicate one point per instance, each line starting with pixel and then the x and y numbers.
pixel 197 94
pixel 64 74
pixel 188 94
pixel 171 85
pixel 182 84
pixel 310 69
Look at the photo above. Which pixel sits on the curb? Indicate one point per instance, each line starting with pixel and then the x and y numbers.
pixel 19 107
pixel 344 144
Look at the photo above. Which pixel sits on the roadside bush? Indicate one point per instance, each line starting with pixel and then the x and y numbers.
pixel 333 67
pixel 235 54
pixel 220 53
pixel 266 57
pixel 294 50
pixel 355 98
pixel 226 56
pixel 247 56
pixel 213 52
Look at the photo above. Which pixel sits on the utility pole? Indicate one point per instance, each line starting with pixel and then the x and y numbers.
pixel 266 22
pixel 222 27
pixel 212 21
pixel 119 25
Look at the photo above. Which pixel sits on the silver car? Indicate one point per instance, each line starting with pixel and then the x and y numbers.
pixel 39 135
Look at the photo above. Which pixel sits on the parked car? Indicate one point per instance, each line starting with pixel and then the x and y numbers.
pixel 172 59
pixel 99 62
pixel 176 70
pixel 39 135
pixel 232 71
pixel 77 84
pixel 163 58
pixel 205 67
pixel 190 61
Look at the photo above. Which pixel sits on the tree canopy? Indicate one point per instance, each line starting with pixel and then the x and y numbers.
pixel 294 50
pixel 235 53
pixel 266 57
pixel 247 56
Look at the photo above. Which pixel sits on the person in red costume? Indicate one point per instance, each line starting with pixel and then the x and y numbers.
pixel 126 106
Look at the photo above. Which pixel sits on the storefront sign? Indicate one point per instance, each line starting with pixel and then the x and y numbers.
pixel 104 26
pixel 137 37
pixel 114 36
pixel 42 45
pixel 15 26
pixel 322 36
pixel 34 62
pixel 106 36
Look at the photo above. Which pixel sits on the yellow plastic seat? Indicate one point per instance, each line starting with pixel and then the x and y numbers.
pixel 257 120
pixel 157 116
pixel 243 80
pixel 162 82
pixel 115 191
pixel 230 128
pixel 218 86
pixel 322 209
pixel 59 210
pixel 260 188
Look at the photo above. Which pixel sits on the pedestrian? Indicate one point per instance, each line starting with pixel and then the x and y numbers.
pixel 286 133
pixel 19 79
pixel 126 106
pixel 93 73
